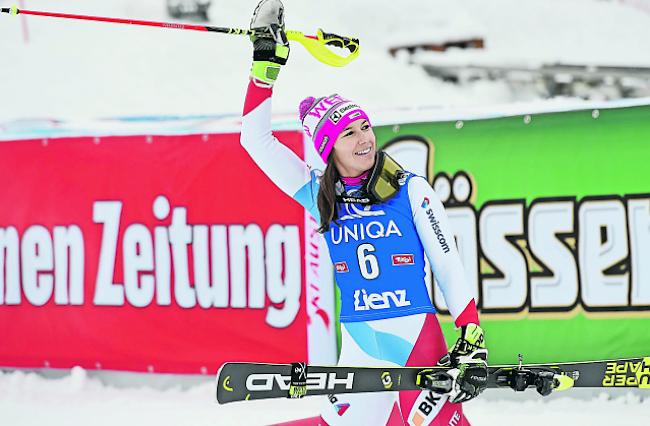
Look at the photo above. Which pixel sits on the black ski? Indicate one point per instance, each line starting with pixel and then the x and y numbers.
pixel 239 381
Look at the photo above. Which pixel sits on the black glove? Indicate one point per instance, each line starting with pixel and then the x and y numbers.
pixel 468 359
pixel 270 44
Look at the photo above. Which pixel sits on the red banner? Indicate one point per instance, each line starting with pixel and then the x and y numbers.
pixel 147 253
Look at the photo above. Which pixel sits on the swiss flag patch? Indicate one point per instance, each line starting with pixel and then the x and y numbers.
pixel 341 267
pixel 403 259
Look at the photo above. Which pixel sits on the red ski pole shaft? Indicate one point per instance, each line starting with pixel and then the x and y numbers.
pixel 316 45
pixel 178 26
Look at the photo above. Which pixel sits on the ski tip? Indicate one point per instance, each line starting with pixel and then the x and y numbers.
pixel 224 389
pixel 563 382
pixel 223 384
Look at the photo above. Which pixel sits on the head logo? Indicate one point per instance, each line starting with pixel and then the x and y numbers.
pixel 335 117
pixel 342 408
pixel 425 202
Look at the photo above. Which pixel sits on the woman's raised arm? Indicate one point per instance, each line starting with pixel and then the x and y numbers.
pixel 288 171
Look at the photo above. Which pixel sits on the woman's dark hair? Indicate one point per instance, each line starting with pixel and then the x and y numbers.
pixel 326 199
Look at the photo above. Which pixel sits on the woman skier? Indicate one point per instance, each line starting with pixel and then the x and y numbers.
pixel 379 222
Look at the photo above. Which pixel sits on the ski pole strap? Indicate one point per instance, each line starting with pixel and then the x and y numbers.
pixel 352 44
pixel 317 46
pixel 298 385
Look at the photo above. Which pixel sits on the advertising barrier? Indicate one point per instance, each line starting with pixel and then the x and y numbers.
pixel 552 218
pixel 152 253
pixel 176 253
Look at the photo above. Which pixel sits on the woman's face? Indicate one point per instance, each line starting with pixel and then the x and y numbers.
pixel 354 150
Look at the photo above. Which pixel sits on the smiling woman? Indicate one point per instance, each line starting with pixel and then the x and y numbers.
pixel 380 222
pixel 342 135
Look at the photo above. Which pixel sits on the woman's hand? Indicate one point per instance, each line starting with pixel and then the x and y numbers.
pixel 270 44
pixel 468 358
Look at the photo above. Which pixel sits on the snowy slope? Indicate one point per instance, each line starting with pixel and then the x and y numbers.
pixel 84 70
pixel 74 69
pixel 77 400
pixel 535 32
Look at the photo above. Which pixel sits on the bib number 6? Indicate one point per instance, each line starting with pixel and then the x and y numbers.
pixel 368 264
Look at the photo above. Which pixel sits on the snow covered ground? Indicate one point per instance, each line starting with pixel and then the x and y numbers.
pixel 77 70
pixel 27 399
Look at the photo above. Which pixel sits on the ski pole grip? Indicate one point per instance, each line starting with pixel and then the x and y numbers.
pixel 350 43
pixel 298 384
pixel 13 10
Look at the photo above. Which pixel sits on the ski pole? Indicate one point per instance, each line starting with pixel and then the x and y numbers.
pixel 316 45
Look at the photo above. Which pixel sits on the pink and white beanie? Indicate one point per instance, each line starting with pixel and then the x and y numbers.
pixel 323 119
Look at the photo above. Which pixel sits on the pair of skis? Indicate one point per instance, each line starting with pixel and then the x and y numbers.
pixel 237 381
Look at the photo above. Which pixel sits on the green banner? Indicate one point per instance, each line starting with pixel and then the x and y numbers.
pixel 552 217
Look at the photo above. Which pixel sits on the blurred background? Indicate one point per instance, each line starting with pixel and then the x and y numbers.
pixel 140 248
pixel 415 54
